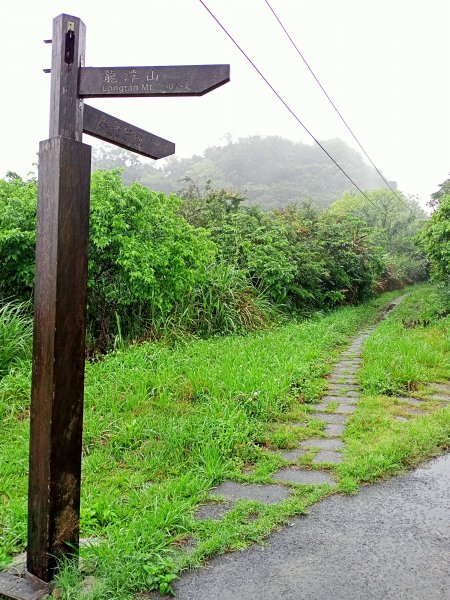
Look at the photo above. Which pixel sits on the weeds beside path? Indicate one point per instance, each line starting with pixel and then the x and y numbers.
pixel 165 424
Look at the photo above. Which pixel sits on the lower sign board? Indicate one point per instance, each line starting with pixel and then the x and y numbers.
pixel 110 129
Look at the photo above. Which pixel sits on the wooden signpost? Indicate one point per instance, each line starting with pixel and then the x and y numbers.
pixel 61 278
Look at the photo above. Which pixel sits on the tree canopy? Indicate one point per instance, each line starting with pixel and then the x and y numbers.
pixel 269 171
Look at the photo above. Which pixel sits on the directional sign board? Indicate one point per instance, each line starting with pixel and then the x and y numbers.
pixel 183 80
pixel 110 129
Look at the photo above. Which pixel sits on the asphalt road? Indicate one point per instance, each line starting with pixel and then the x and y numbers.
pixel 389 542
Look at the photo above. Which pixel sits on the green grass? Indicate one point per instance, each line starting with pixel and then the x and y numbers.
pixel 165 424
pixel 15 335
pixel 408 350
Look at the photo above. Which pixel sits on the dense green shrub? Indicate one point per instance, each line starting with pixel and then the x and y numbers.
pixel 206 263
pixel 394 221
pixel 149 269
pixel 144 258
pixel 17 237
pixel 436 240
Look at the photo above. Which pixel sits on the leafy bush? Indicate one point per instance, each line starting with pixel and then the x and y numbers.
pixel 436 240
pixel 207 263
pixel 17 236
pixel 394 221
pixel 144 258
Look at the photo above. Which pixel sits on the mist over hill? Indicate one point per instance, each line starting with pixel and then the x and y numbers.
pixel 270 171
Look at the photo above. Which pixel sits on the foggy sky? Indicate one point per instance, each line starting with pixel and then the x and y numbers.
pixel 385 63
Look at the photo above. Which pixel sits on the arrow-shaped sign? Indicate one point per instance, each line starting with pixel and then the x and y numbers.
pixel 184 80
pixel 113 130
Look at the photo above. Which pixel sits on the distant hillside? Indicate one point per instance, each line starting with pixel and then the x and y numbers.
pixel 271 171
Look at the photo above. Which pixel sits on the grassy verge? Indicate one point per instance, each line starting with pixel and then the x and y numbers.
pixel 408 350
pixel 165 424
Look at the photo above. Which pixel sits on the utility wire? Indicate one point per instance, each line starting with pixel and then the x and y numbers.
pixel 332 103
pixel 285 103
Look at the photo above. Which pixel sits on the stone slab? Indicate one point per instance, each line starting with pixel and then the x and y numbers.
pixel 18 565
pixel 323 443
pixel 350 364
pixel 330 417
pixel 334 429
pixel 351 381
pixel 440 387
pixel 303 476
pixel 353 394
pixel 346 408
pixel 414 413
pixel 341 398
pixel 252 491
pixel 323 405
pixel 351 360
pixel 341 388
pixel 407 400
pixel 293 454
pixel 350 400
pixel 350 372
pixel 213 510
pixel 328 456
pixel 439 397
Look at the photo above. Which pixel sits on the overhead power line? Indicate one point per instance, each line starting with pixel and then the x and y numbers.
pixel 286 105
pixel 332 103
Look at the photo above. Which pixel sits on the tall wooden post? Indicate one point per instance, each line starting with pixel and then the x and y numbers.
pixel 60 313
pixel 61 279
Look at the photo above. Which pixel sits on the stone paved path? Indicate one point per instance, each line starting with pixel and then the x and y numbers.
pixel 335 409
pixel 389 542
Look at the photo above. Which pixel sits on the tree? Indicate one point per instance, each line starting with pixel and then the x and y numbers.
pixel 131 165
pixel 144 258
pixel 436 197
pixel 17 236
pixel 270 171
pixel 436 240
pixel 396 220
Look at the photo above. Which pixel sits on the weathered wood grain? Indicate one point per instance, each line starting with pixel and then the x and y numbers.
pixel 68 50
pixel 58 353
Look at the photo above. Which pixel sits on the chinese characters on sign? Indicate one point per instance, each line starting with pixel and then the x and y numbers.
pixel 111 129
pixel 98 82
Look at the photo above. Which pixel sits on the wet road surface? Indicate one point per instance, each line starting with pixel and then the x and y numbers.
pixel 389 542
